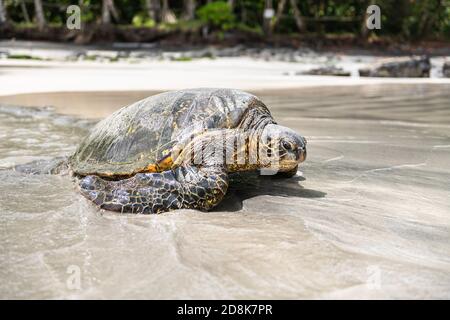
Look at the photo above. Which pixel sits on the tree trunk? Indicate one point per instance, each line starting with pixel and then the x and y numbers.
pixel 428 18
pixel 167 14
pixel 267 19
pixel 2 13
pixel 364 31
pixel 280 8
pixel 244 15
pixel 231 4
pixel 150 9
pixel 106 16
pixel 165 7
pixel 112 9
pixel 109 9
pixel 153 9
pixel 189 9
pixel 25 14
pixel 40 18
pixel 297 16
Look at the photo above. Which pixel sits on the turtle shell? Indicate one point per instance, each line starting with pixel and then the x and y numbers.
pixel 135 138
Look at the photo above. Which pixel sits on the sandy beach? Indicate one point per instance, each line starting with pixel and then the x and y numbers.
pixel 366 216
pixel 57 72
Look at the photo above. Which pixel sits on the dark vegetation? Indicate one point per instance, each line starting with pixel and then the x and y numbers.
pixel 231 22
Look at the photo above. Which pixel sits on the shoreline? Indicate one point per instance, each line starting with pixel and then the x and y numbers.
pixel 22 77
pixel 99 104
pixel 30 67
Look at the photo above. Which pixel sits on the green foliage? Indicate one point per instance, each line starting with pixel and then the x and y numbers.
pixel 25 25
pixel 217 15
pixel 141 20
pixel 87 14
pixel 23 57
pixel 415 19
pixel 180 25
pixel 250 12
pixel 249 29
pixel 128 9
pixel 445 24
pixel 182 59
pixel 90 58
pixel 403 19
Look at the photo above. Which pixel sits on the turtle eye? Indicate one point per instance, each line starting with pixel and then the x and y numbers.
pixel 286 145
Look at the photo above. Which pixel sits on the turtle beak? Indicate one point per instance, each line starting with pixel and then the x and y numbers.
pixel 301 154
pixel 301 151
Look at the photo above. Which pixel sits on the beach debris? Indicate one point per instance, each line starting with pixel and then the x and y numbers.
pixel 326 71
pixel 446 69
pixel 404 67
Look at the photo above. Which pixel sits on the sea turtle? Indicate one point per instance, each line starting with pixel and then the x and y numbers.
pixel 176 149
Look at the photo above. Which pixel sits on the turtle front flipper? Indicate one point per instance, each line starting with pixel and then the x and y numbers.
pixel 184 187
pixel 288 174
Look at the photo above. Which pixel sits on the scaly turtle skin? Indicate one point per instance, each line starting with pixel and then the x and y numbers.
pixel 175 150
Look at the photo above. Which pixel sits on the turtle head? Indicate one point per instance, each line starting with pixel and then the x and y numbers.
pixel 282 147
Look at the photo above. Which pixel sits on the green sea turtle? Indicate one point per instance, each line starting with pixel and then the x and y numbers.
pixel 176 149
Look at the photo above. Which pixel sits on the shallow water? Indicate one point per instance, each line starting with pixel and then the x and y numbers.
pixel 367 216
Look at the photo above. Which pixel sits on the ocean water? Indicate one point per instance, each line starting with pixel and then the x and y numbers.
pixel 367 216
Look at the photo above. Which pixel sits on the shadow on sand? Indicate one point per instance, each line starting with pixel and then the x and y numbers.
pixel 249 185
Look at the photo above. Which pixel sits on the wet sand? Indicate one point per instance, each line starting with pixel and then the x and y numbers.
pixel 367 216
pixel 94 105
pixel 344 101
pixel 22 77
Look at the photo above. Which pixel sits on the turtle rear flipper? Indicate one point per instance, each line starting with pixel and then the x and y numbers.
pixel 184 187
pixel 58 165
